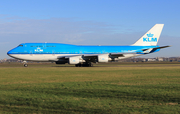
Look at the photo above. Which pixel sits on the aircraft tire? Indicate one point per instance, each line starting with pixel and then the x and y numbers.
pixel 77 65
pixel 25 65
pixel 89 65
pixel 84 65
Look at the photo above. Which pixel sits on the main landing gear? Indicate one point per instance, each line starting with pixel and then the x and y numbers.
pixel 25 64
pixel 84 65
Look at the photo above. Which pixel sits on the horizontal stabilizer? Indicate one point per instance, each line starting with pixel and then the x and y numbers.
pixel 161 47
pixel 151 49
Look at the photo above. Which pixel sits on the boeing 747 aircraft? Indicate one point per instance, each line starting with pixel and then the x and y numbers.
pixel 85 55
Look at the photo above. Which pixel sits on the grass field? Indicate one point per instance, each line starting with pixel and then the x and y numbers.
pixel 104 88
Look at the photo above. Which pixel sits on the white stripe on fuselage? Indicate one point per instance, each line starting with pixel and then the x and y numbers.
pixel 54 57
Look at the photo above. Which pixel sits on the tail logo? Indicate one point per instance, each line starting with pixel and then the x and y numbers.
pixel 149 38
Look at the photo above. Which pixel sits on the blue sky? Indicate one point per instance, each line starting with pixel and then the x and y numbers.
pixel 91 22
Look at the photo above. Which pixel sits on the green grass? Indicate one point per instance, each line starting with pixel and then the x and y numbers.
pixel 105 88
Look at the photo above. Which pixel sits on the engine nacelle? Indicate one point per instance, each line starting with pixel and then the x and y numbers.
pixel 74 60
pixel 103 58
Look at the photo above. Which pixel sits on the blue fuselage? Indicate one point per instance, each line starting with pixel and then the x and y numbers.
pixel 58 48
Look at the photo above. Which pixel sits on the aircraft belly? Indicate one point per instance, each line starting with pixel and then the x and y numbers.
pixel 35 57
pixel 38 57
pixel 129 55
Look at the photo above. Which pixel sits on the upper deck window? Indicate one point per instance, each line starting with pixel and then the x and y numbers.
pixel 50 46
pixel 36 46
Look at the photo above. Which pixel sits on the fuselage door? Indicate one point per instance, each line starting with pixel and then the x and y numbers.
pixel 53 52
pixel 31 53
pixel 44 46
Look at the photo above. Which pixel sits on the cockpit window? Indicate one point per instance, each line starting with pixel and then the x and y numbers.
pixel 20 46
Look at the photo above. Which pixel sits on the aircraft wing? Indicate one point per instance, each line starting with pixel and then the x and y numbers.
pixel 90 55
pixel 148 50
pixel 67 56
pixel 85 57
pixel 93 57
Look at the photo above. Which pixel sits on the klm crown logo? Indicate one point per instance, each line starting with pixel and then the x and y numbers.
pixel 150 35
pixel 38 50
pixel 150 38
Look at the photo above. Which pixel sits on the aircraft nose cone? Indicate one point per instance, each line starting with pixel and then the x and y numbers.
pixel 9 52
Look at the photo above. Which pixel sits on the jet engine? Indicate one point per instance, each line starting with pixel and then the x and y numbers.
pixel 103 58
pixel 74 60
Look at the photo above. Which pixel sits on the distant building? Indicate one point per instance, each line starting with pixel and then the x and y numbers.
pixel 149 59
pixel 159 59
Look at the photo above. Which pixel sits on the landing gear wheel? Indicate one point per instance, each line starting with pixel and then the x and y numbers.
pixel 76 65
pixel 25 65
pixel 88 64
pixel 84 65
pixel 91 65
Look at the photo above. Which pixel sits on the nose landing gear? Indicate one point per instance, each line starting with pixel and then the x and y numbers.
pixel 25 63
